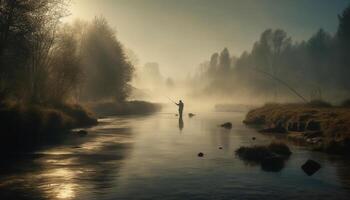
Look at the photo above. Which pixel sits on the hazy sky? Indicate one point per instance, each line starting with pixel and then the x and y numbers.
pixel 179 34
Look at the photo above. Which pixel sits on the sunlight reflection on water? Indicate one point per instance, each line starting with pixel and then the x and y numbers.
pixel 151 157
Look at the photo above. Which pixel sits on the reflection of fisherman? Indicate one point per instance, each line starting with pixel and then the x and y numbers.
pixel 181 124
pixel 181 107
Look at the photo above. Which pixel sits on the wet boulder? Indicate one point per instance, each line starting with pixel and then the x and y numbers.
pixel 200 154
pixel 227 125
pixel 254 153
pixel 280 149
pixel 220 147
pixel 270 157
pixel 191 115
pixel 310 167
pixel 273 163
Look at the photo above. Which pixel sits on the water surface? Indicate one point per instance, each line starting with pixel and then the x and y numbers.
pixel 155 157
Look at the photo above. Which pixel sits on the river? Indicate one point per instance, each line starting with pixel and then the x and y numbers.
pixel 155 157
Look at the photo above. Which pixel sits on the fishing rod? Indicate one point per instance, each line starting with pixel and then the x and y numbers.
pixel 170 99
pixel 162 95
pixel 273 77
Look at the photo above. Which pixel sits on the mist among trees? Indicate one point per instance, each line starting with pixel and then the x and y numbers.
pixel 44 61
pixel 316 68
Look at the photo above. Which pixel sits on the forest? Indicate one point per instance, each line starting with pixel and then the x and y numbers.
pixel 49 69
pixel 174 99
pixel 45 61
pixel 280 69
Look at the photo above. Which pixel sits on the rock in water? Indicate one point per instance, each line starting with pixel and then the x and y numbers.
pixel 220 147
pixel 272 163
pixel 253 138
pixel 227 125
pixel 310 167
pixel 82 132
pixel 191 114
pixel 200 154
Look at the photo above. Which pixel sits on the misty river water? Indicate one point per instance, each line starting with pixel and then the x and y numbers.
pixel 155 157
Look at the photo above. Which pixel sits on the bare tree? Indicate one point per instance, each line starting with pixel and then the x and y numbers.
pixel 27 34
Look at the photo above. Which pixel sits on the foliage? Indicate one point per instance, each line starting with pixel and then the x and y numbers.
pixel 27 34
pixel 106 67
pixel 46 62
pixel 314 67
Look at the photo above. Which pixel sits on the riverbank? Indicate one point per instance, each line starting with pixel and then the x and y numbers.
pixel 322 127
pixel 103 109
pixel 26 127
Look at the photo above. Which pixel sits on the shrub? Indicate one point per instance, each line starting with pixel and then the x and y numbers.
pixel 78 113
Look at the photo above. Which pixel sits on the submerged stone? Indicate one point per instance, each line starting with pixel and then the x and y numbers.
pixel 227 125
pixel 272 163
pixel 200 154
pixel 191 114
pixel 310 167
pixel 220 147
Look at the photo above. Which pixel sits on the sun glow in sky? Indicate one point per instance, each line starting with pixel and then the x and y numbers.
pixel 180 34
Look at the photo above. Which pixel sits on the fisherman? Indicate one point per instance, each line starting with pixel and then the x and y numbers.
pixel 181 108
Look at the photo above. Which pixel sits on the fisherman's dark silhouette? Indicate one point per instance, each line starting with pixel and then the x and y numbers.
pixel 181 108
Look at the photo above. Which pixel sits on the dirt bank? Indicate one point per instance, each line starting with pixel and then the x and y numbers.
pixel 324 128
pixel 27 127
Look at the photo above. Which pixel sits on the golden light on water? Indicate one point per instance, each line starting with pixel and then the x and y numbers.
pixel 66 191
pixel 62 186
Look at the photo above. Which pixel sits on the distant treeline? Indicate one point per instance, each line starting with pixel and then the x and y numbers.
pixel 45 61
pixel 316 68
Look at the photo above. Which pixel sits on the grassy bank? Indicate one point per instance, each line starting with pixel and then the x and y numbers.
pixel 25 127
pixel 124 108
pixel 316 124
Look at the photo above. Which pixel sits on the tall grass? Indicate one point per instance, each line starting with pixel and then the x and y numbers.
pixel 26 126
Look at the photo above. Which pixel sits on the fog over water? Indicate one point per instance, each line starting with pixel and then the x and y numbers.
pixel 181 34
pixel 174 99
pixel 172 44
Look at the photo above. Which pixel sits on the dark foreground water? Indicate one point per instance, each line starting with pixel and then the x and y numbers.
pixel 150 157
